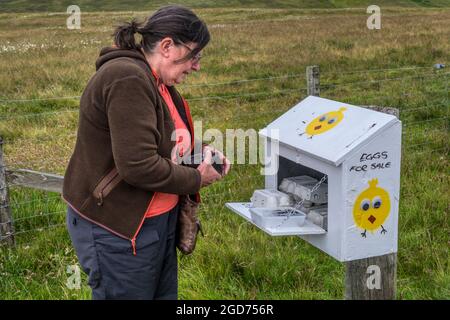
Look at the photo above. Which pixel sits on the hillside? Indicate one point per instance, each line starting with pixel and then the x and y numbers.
pixel 138 5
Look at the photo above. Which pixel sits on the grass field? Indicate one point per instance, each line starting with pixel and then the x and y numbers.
pixel 44 68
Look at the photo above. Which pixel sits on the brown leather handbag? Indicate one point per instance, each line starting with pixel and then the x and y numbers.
pixel 188 225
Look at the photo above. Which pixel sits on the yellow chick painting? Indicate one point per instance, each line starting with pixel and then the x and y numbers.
pixel 324 122
pixel 371 208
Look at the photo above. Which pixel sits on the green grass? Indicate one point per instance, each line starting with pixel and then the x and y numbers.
pixel 40 58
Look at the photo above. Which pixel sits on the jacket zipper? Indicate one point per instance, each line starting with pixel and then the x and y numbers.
pixel 106 185
pixel 189 117
pixel 133 240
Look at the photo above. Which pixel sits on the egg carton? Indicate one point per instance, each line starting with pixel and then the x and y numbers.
pixel 310 206
pixel 270 198
pixel 286 217
pixel 319 216
pixel 301 189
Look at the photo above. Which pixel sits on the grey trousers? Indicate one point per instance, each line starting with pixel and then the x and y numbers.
pixel 114 272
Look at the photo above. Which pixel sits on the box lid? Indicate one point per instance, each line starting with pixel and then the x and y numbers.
pixel 326 129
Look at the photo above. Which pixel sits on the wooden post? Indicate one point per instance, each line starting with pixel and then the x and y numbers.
pixel 6 225
pixel 372 278
pixel 313 80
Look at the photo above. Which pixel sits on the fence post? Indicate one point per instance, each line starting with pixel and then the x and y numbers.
pixel 372 278
pixel 313 80
pixel 6 225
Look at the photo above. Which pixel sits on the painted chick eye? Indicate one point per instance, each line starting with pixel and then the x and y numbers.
pixel 365 204
pixel 322 118
pixel 376 202
pixel 332 120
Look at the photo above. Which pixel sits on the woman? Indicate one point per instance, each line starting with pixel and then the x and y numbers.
pixel 124 180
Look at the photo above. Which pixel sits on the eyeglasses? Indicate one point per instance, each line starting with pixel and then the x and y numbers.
pixel 194 59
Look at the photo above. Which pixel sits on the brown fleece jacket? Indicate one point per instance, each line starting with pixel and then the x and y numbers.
pixel 123 146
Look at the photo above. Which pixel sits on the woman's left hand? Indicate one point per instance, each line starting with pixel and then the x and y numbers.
pixel 226 164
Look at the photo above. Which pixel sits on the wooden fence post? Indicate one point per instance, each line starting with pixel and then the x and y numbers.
pixel 313 80
pixel 6 224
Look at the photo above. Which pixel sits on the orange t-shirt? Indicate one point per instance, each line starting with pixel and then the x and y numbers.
pixel 163 202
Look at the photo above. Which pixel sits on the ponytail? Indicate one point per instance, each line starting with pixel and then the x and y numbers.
pixel 174 21
pixel 124 35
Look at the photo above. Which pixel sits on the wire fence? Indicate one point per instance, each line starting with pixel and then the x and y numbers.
pixel 245 95
pixel 242 81
pixel 425 133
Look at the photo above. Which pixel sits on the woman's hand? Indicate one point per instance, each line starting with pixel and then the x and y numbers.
pixel 226 165
pixel 207 171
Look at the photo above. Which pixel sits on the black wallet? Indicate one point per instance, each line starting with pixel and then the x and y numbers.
pixel 198 158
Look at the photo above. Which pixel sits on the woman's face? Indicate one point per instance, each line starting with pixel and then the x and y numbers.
pixel 174 68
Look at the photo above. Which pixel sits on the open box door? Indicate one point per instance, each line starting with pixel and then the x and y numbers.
pixel 285 229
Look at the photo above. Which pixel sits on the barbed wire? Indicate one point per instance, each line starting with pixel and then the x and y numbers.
pixel 209 98
pixel 328 86
pixel 41 228
pixel 426 137
pixel 212 196
pixel 413 123
pixel 234 115
pixel 3 237
pixel 16 204
pixel 422 108
pixel 241 179
pixel 23 165
pixel 15 165
pixel 226 186
pixel 189 99
pixel 381 70
pixel 6 222
pixel 408 125
pixel 287 76
pixel 419 152
pixel 234 163
pixel 39 99
pixel 39 215
pixel 412 146
pixel 38 114
pixel 297 75
pixel 246 115
pixel 224 97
